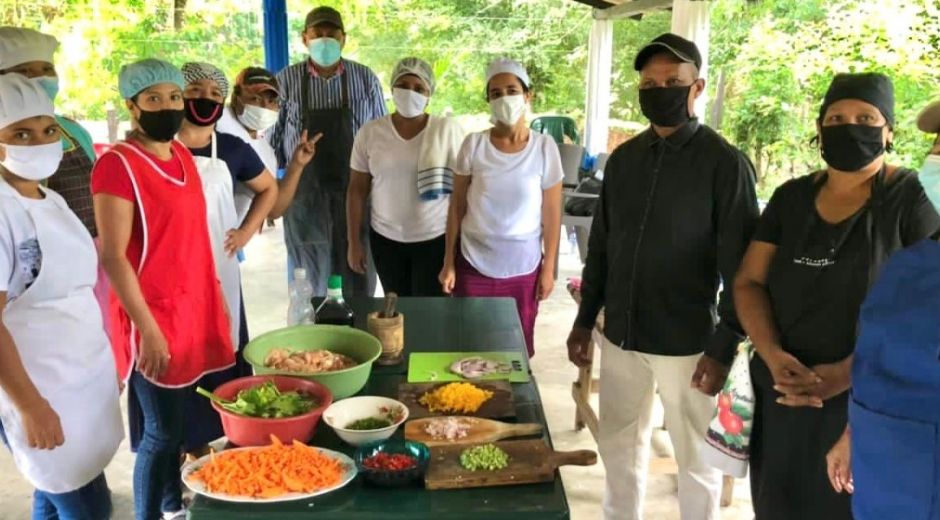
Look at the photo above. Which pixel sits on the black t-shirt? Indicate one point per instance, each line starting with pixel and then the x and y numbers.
pixel 242 160
pixel 821 271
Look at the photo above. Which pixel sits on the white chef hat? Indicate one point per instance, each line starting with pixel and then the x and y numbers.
pixel 505 65
pixel 22 99
pixel 19 45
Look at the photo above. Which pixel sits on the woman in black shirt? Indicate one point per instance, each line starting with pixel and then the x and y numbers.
pixel 816 251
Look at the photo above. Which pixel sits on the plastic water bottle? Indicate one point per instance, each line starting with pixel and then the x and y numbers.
pixel 300 311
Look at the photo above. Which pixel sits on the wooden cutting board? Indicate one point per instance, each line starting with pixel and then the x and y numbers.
pixel 499 406
pixel 530 461
pixel 480 431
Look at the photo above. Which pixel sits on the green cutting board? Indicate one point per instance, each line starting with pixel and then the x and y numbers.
pixel 431 367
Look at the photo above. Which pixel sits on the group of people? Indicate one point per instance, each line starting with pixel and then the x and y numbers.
pixel 122 270
pixel 834 285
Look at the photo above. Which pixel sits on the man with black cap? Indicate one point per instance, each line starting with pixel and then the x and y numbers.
pixel 676 211
pixel 333 97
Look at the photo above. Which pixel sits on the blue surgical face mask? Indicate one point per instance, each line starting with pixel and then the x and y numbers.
pixel 325 52
pixel 930 179
pixel 48 83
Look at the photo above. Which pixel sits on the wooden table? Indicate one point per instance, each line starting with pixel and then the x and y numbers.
pixel 431 324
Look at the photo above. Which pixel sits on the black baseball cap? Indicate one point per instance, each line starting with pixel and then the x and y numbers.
pixel 322 15
pixel 258 80
pixel 674 44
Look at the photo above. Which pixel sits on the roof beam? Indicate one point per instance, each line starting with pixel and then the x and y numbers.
pixel 631 8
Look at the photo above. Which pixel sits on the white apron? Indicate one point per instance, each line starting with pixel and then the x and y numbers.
pixel 57 328
pixel 220 208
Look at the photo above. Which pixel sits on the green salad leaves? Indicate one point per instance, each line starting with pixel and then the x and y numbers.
pixel 264 401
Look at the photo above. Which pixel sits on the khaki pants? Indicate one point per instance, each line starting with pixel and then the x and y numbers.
pixel 628 385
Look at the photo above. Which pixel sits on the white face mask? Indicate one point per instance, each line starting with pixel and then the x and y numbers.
pixel 257 118
pixel 34 163
pixel 409 103
pixel 507 109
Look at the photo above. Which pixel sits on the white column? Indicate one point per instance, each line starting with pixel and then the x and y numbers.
pixel 600 53
pixel 690 19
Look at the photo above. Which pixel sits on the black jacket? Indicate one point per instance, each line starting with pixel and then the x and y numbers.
pixel 673 220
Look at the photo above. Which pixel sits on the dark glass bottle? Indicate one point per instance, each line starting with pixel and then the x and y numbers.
pixel 334 310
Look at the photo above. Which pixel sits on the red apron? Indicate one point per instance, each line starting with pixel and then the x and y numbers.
pixel 176 273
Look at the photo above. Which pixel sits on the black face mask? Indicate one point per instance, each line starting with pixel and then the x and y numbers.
pixel 202 111
pixel 849 148
pixel 161 125
pixel 666 106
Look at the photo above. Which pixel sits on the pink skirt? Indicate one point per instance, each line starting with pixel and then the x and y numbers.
pixel 523 289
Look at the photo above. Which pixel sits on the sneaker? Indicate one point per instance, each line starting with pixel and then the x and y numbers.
pixel 179 515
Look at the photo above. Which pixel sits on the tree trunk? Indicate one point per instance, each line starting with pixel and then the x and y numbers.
pixel 718 106
pixel 759 164
pixel 179 10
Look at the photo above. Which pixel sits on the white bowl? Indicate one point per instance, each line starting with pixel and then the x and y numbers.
pixel 342 413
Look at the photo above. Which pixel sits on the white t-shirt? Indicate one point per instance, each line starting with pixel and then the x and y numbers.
pixel 397 212
pixel 228 124
pixel 501 234
pixel 20 257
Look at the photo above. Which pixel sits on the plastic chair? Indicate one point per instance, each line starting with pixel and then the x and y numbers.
pixel 558 127
pixel 571 157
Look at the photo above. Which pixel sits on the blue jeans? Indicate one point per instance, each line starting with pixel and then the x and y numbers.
pixel 157 469
pixel 89 502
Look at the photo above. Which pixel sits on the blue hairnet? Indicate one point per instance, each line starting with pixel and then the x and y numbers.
pixel 137 77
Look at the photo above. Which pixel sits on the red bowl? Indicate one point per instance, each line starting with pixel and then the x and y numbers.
pixel 254 431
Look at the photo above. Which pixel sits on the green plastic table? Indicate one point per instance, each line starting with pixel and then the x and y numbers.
pixel 431 324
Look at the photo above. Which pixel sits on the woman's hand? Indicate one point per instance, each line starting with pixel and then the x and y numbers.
pixel 839 464
pixel 786 369
pixel 42 426
pixel 546 283
pixel 356 257
pixel 305 151
pixel 448 277
pixel 153 355
pixel 834 379
pixel 236 239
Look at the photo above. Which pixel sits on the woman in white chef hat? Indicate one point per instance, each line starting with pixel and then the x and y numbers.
pixel 58 386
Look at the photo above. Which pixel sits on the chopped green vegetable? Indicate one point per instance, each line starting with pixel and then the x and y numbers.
pixel 369 423
pixel 264 401
pixel 486 457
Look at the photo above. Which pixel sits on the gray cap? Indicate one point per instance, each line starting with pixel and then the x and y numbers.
pixel 416 67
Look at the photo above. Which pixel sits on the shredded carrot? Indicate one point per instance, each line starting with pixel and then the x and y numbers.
pixel 270 471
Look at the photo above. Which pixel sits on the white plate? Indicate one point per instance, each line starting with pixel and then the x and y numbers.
pixel 197 486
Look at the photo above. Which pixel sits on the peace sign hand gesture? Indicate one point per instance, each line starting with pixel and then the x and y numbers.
pixel 305 151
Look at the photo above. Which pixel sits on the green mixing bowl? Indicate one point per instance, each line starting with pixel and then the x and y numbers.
pixel 359 345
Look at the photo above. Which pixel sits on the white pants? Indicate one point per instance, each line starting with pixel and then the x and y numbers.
pixel 627 387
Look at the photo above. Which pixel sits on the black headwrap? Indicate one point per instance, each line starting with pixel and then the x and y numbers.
pixel 870 87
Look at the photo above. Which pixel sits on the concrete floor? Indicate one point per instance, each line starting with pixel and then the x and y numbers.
pixel 265 285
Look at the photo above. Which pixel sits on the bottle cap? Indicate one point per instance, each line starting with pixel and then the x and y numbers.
pixel 300 273
pixel 336 282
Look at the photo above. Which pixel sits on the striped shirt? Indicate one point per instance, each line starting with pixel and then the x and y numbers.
pixel 366 101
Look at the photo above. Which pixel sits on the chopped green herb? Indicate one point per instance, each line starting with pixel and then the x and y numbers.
pixel 369 423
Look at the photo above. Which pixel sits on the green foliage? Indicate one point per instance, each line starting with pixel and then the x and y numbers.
pixel 780 56
pixel 776 57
